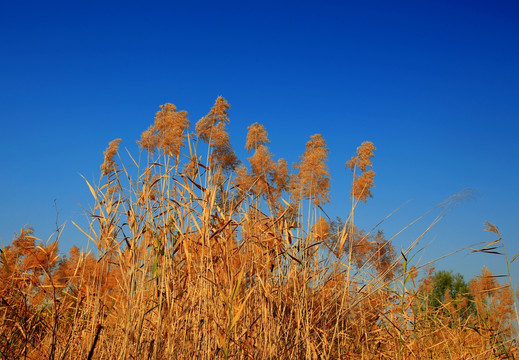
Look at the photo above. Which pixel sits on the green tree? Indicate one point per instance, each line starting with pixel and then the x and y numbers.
pixel 451 291
pixel 444 281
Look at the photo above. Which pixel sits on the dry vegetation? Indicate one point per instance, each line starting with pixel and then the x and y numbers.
pixel 204 257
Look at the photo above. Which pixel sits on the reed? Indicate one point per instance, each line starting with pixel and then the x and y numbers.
pixel 197 255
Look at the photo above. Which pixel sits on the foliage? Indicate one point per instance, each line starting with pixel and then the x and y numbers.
pixel 448 287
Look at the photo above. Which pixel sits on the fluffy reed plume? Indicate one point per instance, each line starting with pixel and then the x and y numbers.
pixel 167 133
pixel 211 129
pixel 313 180
pixel 281 178
pixel 362 186
pixel 109 165
pixel 321 229
pixel 205 127
pixel 189 264
pixel 266 177
pixel 256 136
pixel 363 158
pixel 262 167
pixel 363 182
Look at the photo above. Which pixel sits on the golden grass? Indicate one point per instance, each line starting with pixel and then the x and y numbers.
pixel 197 257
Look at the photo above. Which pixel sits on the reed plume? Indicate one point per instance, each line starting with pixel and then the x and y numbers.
pixel 109 165
pixel 313 179
pixel 167 134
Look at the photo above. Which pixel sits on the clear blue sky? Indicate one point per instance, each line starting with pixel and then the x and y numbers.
pixel 435 85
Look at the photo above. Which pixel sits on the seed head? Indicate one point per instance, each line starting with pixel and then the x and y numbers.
pixel 109 165
pixel 313 178
pixel 256 137
pixel 167 133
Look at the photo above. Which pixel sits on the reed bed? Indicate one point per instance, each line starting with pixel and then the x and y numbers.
pixel 196 255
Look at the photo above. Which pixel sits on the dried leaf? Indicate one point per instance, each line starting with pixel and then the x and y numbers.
pixel 515 257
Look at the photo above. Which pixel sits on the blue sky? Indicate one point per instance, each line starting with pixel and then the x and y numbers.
pixel 435 86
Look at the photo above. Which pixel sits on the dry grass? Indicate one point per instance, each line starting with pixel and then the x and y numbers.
pixel 197 257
